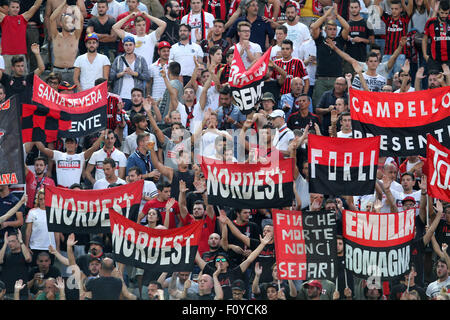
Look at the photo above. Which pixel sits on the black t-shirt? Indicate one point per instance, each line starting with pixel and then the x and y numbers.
pixel 225 279
pixel 329 63
pixel 171 33
pixel 103 29
pixel 266 259
pixel 211 255
pixel 14 267
pixel 196 296
pixel 358 50
pixel 104 288
pixel 273 87
pixel 187 177
pixel 52 273
pixel 296 121
pixel 417 257
pixel 18 85
pixel 443 232
pixel 263 290
pixel 397 291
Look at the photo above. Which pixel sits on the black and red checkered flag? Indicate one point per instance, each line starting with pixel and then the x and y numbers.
pixel 40 123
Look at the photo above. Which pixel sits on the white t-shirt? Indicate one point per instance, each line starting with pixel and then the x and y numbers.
pixel 207 146
pixel 254 48
pixel 281 140
pixel 195 21
pixel 274 51
pixel 297 33
pixel 149 191
pixel 103 184
pixel 158 85
pixel 114 9
pixel 399 196
pixel 306 49
pixel 145 46
pixel 69 167
pixel 411 89
pixel 183 54
pixel 130 145
pixel 40 237
pixel 2 63
pixel 302 187
pixel 197 116
pixel 100 155
pixel 89 72
pixel 340 134
pixel 382 68
pixel 375 83
pixel 435 287
pixel 127 83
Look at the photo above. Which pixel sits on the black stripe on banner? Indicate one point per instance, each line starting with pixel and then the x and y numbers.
pixel 159 259
pixel 86 123
pixel 255 197
pixel 331 182
pixel 387 263
pixel 407 141
pixel 68 221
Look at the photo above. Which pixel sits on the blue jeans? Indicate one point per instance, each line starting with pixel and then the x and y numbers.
pixel 399 63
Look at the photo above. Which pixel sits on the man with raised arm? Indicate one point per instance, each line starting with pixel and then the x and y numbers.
pixel 65 43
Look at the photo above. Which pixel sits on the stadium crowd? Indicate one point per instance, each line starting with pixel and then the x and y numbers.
pixel 167 65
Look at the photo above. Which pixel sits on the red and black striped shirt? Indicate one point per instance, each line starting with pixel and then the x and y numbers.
pixel 184 8
pixel 218 8
pixel 294 68
pixel 395 30
pixel 225 72
pixel 439 33
pixel 112 111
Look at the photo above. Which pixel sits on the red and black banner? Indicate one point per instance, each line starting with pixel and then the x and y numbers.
pixel 87 211
pixel 11 150
pixel 342 166
pixel 438 170
pixel 57 115
pixel 402 120
pixel 305 244
pixel 378 244
pixel 156 249
pixel 246 85
pixel 255 186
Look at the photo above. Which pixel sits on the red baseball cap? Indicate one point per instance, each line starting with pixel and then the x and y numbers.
pixel 314 283
pixel 409 199
pixel 164 44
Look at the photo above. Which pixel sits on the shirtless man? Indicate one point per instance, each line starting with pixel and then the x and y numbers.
pixel 52 5
pixel 65 43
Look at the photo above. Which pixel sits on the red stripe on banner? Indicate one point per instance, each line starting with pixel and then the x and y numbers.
pixel 28 109
pixel 342 152
pixel 133 232
pixel 289 244
pixel 438 169
pixel 239 77
pixel 237 173
pixel 401 110
pixel 374 229
pixel 80 102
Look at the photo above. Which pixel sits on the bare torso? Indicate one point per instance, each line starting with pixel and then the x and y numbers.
pixel 65 50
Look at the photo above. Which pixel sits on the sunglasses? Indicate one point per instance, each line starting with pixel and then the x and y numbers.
pixel 219 260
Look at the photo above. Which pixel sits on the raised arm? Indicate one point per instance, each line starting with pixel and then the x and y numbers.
pixel 345 26
pixel 255 283
pixel 117 27
pixel 14 209
pixel 172 91
pixel 25 251
pixel 161 25
pixel 158 133
pixel 165 171
pixel 30 13
pixel 88 153
pixel 182 200
pixel 58 256
pixel 423 199
pixel 235 231
pixel 52 23
pixel 396 53
pixel 434 224
pixel 418 79
pixel 341 53
pixel 40 63
pixel 217 286
pixel 255 253
pixel 408 8
pixel 315 27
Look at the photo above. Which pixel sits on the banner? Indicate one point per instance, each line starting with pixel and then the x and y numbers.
pixel 87 211
pixel 342 166
pixel 305 244
pixel 438 170
pixel 161 250
pixel 378 244
pixel 246 85
pixel 255 186
pixel 11 147
pixel 87 109
pixel 401 120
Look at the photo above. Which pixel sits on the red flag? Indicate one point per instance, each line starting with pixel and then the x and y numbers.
pixel 437 169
